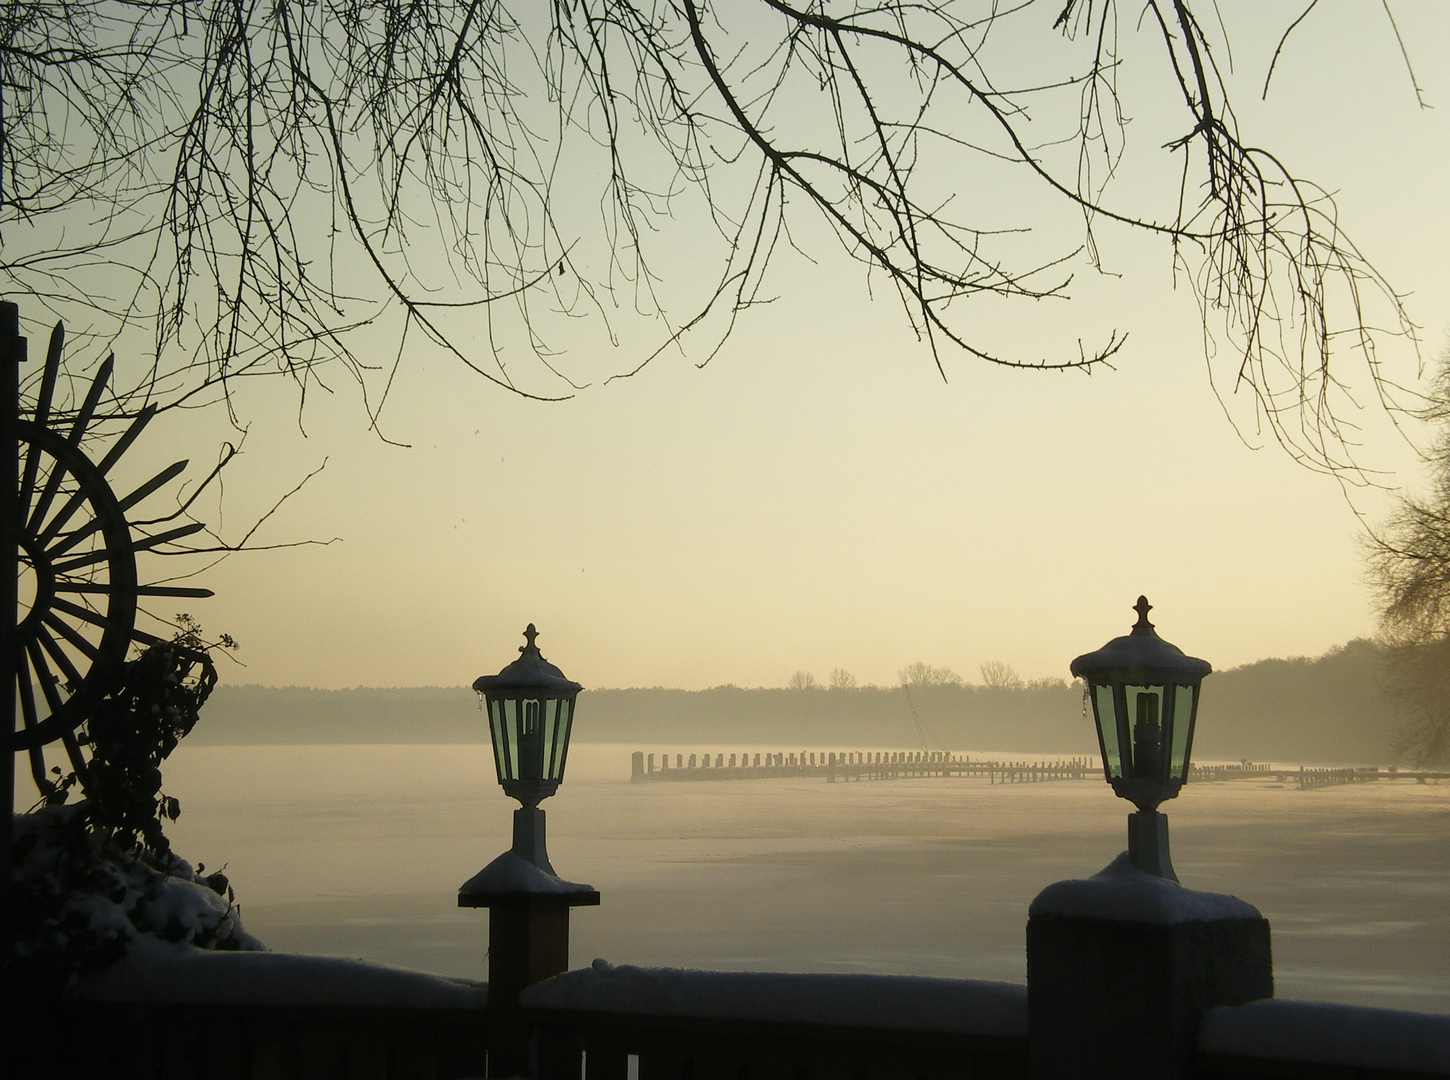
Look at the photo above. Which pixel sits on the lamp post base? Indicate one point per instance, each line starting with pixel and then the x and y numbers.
pixel 1122 966
pixel 1148 844
pixel 528 934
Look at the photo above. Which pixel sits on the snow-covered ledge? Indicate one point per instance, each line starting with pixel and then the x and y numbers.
pixel 1123 893
pixel 1343 1035
pixel 897 1002
pixel 154 971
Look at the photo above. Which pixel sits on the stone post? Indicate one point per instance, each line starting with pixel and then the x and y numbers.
pixel 1121 968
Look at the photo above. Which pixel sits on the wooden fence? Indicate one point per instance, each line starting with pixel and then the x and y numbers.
pixel 623 1023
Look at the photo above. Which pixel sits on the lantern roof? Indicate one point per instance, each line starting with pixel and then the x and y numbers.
pixel 530 670
pixel 1139 653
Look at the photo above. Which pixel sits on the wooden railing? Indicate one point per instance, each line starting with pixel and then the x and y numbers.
pixel 252 1016
pixel 627 1023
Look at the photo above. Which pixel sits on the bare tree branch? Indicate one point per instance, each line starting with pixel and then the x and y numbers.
pixel 266 189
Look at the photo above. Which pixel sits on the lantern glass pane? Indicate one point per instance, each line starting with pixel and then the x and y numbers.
pixel 496 728
pixel 1145 730
pixel 551 739
pixel 1182 721
pixel 1107 719
pixel 566 726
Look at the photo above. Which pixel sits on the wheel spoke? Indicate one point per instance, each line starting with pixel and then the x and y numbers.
pixel 82 421
pixel 78 499
pixel 42 416
pixel 121 445
pixel 168 473
pixel 74 638
pixel 140 545
pixel 165 475
pixel 27 712
pixel 93 398
pixel 57 654
pixel 73 751
pixel 49 684
pixel 85 614
pixel 139 590
pixel 143 638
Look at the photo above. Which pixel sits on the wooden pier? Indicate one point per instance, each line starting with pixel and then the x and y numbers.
pixel 1310 777
pixel 851 766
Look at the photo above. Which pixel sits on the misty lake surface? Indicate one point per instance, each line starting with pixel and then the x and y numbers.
pixel 359 851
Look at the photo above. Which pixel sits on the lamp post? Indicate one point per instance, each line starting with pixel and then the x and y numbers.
pixel 1123 965
pixel 1144 695
pixel 530 717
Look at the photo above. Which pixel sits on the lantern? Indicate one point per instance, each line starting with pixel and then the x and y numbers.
pixel 530 716
pixel 1144 695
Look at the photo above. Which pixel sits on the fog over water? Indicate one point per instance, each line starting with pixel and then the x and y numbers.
pixel 358 850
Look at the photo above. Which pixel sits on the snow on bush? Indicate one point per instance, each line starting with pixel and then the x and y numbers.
pixel 79 899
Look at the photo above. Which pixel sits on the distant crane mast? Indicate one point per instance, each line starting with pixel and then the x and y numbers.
pixel 922 731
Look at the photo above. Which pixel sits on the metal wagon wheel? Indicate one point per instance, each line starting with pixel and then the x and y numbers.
pixel 77 579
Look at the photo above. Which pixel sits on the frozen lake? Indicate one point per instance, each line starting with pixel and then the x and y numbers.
pixel 359 851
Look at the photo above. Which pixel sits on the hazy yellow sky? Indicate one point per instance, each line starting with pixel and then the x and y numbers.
pixel 818 497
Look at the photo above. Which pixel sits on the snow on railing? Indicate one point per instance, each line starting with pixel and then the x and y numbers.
pixel 1345 1037
pixel 192 1014
pixel 157 971
pixel 896 1002
pixel 684 1023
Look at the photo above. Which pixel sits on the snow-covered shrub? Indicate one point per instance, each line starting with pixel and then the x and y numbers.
pixel 88 877
pixel 80 898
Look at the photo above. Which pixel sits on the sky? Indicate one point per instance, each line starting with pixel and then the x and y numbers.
pixel 819 496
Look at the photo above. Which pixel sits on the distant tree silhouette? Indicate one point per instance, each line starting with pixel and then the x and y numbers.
pixel 803 680
pixel 841 679
pixel 923 674
pixel 254 183
pixel 1000 675
pixel 1409 562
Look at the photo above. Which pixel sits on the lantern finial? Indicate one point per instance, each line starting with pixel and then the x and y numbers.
pixel 1142 607
pixel 529 634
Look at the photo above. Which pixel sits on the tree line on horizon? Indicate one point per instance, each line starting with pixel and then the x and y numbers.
pixel 1334 708
pixel 996 674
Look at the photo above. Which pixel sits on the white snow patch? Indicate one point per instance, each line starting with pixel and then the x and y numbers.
pixel 1123 893
pixel 159 971
pixel 898 1002
pixel 1330 1034
pixel 511 873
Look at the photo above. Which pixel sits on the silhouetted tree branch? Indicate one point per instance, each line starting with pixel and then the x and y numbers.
pixel 255 184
